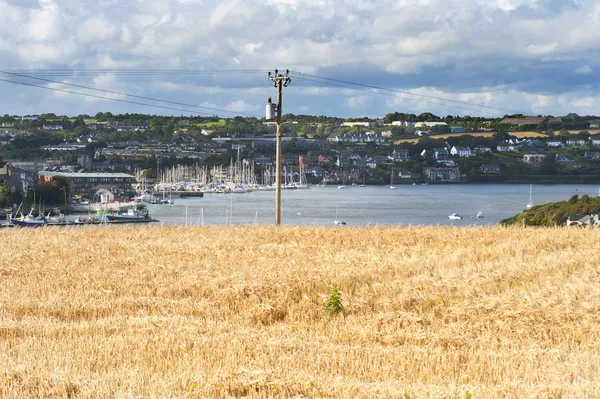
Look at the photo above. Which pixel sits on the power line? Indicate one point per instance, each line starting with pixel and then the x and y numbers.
pixel 392 95
pixel 106 98
pixel 69 72
pixel 125 94
pixel 404 92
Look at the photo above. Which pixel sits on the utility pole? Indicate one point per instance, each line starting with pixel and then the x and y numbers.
pixel 279 81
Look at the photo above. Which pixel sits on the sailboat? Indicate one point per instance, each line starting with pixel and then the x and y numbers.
pixel 392 187
pixel 343 185
pixel 338 222
pixel 531 204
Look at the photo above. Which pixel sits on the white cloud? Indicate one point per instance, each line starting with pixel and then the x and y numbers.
pixel 241 106
pixel 96 28
pixel 502 40
pixel 584 70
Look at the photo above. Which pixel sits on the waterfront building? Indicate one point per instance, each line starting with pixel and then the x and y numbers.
pixel 87 184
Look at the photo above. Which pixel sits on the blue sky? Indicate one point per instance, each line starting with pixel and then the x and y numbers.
pixel 529 56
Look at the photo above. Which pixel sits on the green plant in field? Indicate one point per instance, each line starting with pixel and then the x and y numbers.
pixel 334 303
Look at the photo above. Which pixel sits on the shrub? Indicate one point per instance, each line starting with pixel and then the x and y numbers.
pixel 334 304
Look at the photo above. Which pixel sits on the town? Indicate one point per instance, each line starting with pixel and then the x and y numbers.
pixel 115 152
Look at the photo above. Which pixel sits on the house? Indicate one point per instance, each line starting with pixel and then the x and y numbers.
pixel 576 142
pixel 483 149
pixel 595 124
pixel 317 171
pixel 386 134
pixel 52 127
pixel 531 143
pixel 583 220
pixel 88 184
pixel 457 129
pixel 400 155
pixel 342 161
pixel 594 140
pixel 17 179
pixel 490 168
pixel 533 158
pixel 440 153
pixel 7 124
pixel 507 148
pixel 461 151
pixel 442 174
pixel 554 143
pixel 447 162
pixel 591 155
pixel 263 161
pixel 403 123
pixel 353 124
pixel 371 164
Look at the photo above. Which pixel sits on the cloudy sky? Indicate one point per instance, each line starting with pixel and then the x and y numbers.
pixel 490 57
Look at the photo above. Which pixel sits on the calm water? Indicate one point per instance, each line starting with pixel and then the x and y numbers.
pixel 407 205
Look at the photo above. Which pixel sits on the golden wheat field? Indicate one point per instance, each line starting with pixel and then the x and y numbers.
pixel 215 312
pixel 519 135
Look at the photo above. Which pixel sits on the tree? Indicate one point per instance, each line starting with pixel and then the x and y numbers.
pixel 5 196
pixel 564 133
pixel 549 165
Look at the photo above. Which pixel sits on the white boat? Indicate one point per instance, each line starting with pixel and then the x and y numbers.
pixel 338 222
pixel 392 187
pixel 530 204
pixel 479 215
pixel 455 216
pixel 343 185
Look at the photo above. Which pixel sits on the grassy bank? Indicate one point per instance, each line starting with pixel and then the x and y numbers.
pixel 217 312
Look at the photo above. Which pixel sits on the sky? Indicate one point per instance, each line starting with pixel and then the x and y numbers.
pixel 490 57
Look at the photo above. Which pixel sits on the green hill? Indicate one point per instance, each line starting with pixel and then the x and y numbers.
pixel 555 213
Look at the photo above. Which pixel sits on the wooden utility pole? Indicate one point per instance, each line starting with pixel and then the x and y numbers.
pixel 279 81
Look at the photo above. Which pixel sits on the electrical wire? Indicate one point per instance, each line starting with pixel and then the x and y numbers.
pixel 393 95
pixel 128 95
pixel 403 92
pixel 106 98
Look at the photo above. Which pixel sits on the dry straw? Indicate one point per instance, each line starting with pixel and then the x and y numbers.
pixel 231 312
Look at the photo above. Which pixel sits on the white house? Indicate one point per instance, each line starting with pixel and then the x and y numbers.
pixel 533 158
pixel 352 124
pixel 554 143
pixel 461 151
pixel 583 220
pixel 52 127
pixel 595 140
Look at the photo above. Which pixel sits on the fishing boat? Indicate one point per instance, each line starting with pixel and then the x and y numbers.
pixel 132 215
pixel 530 204
pixel 392 187
pixel 455 216
pixel 27 220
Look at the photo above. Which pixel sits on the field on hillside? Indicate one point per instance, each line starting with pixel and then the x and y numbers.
pixel 240 311
pixel 519 135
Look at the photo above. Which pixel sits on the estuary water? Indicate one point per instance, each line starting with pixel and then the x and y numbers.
pixel 371 205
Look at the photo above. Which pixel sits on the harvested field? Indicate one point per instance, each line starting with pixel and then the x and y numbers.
pixel 519 135
pixel 240 311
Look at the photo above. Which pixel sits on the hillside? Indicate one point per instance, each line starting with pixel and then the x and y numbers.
pixel 240 311
pixel 555 213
